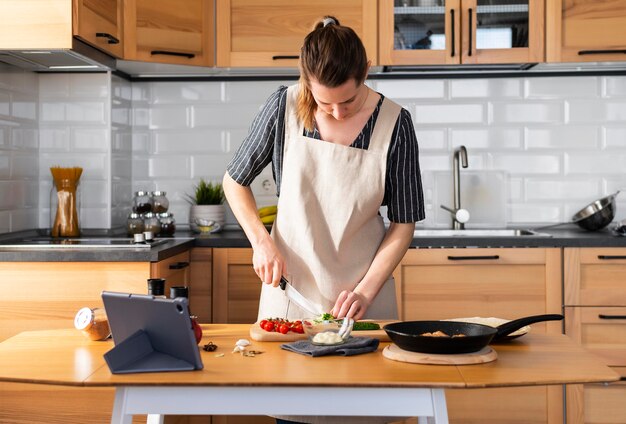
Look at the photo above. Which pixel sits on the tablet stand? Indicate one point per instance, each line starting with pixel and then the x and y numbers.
pixel 136 354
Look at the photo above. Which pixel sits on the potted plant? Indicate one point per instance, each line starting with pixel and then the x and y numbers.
pixel 207 212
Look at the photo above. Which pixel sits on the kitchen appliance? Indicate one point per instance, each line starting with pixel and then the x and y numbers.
pixel 409 335
pixel 597 214
pixel 79 243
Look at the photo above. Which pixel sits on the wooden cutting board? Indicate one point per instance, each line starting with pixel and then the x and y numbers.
pixel 393 352
pixel 260 335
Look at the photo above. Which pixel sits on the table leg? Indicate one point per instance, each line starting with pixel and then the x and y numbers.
pixel 119 415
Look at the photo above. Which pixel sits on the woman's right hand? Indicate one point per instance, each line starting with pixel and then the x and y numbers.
pixel 268 263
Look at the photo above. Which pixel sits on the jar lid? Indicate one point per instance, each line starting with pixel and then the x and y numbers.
pixel 165 215
pixel 134 215
pixel 159 193
pixel 141 193
pixel 179 291
pixel 83 319
pixel 149 215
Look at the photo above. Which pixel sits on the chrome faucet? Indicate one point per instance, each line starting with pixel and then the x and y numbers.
pixel 459 216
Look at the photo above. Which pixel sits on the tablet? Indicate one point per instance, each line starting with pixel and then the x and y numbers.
pixel 151 334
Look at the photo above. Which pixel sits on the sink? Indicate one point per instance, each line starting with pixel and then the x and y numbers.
pixel 478 233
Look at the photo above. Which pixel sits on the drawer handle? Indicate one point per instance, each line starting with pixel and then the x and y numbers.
pixel 608 257
pixel 109 37
pixel 469 52
pixel 587 52
pixel 281 57
pixel 180 54
pixel 452 53
pixel 179 265
pixel 603 316
pixel 472 258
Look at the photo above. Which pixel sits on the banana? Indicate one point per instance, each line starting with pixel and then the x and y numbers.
pixel 268 219
pixel 267 210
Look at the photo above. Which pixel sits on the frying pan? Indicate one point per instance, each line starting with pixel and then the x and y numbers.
pixel 408 334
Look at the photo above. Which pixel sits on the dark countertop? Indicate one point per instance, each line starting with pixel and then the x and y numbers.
pixel 564 237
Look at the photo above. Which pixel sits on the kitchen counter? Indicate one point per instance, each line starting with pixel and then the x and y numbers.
pixel 370 382
pixel 564 237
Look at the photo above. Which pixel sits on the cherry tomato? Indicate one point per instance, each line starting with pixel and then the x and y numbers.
pixel 197 331
pixel 269 326
pixel 284 329
pixel 262 323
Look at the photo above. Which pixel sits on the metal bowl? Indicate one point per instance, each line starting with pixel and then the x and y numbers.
pixel 596 215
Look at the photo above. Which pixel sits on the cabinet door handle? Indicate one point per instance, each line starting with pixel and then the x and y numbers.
pixel 609 257
pixel 472 258
pixel 587 52
pixel 471 32
pixel 452 35
pixel 603 316
pixel 179 265
pixel 109 37
pixel 168 53
pixel 282 57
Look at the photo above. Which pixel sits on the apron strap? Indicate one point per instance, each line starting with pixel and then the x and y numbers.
pixel 385 123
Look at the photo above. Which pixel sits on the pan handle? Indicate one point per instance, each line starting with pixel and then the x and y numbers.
pixel 511 326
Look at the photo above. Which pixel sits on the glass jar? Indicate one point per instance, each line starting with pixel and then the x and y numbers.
pixel 65 208
pixel 142 202
pixel 168 224
pixel 134 224
pixel 160 203
pixel 93 323
pixel 151 223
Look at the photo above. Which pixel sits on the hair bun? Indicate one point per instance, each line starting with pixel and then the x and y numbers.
pixel 329 20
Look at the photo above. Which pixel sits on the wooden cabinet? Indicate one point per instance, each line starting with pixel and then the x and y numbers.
pixel 595 316
pixel 447 32
pixel 585 30
pixel 175 270
pixel 169 31
pixel 269 33
pixel 504 283
pixel 33 24
pixel 99 23
pixel 201 283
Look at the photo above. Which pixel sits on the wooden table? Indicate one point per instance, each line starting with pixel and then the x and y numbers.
pixel 233 384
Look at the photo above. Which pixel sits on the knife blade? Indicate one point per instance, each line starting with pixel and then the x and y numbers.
pixel 299 299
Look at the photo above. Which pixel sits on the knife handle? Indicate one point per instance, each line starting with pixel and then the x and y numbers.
pixel 283 282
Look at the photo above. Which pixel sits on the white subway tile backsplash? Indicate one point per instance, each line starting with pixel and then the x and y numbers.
pixel 591 163
pixel 615 86
pixel 24 219
pixel 615 137
pixel 431 139
pixel 184 92
pixel 94 193
pixel 90 140
pixel 597 111
pixel 95 218
pixel 54 139
pixel 89 85
pixel 211 166
pixel 488 138
pixel 563 137
pixel 5 104
pixel 54 85
pixel 527 164
pixel 5 218
pixel 24 138
pixel 535 213
pixel 435 162
pixel 223 115
pixel 251 92
pixel 87 112
pixel 4 137
pixel 558 87
pixel 52 111
pixel 24 106
pixel 95 165
pixel 570 189
pixel 169 117
pixel 205 141
pixel 24 166
pixel 412 89
pixel 486 88
pixel 170 166
pixel 527 112
pixel 449 114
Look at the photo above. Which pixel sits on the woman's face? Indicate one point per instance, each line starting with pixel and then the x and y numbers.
pixel 340 102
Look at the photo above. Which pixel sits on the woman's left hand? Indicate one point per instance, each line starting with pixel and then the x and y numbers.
pixel 350 304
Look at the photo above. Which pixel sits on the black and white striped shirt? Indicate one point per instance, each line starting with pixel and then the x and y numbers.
pixel 265 141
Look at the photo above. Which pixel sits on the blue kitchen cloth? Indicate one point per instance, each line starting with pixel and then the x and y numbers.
pixel 353 346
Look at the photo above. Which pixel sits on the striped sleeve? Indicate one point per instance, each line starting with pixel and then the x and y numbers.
pixel 403 186
pixel 260 145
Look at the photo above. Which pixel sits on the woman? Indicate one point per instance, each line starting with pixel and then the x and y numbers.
pixel 339 151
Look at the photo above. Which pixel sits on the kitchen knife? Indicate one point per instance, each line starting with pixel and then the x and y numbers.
pixel 298 299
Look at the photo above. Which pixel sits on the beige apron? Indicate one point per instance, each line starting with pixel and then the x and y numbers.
pixel 328 227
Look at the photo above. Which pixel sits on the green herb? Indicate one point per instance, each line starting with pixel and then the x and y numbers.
pixel 327 317
pixel 365 326
pixel 207 193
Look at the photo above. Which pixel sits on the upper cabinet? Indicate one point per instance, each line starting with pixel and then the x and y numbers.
pixel 447 32
pixel 99 23
pixel 585 30
pixel 166 31
pixel 269 33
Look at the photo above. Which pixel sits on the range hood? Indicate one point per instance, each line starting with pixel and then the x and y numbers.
pixel 80 58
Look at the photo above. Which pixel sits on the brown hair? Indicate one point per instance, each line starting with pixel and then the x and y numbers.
pixel 332 54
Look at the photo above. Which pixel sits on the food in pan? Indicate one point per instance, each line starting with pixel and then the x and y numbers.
pixel 440 333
